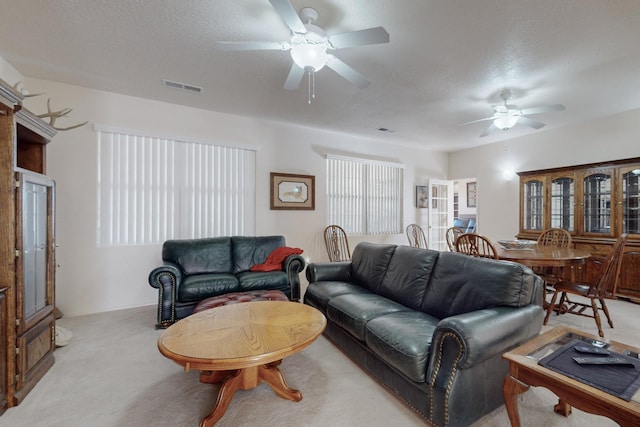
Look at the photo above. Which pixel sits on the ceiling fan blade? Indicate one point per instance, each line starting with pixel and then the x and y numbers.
pixel 359 38
pixel 253 46
pixel 294 78
pixel 530 123
pixel 479 120
pixel 488 130
pixel 289 15
pixel 348 73
pixel 504 108
pixel 543 109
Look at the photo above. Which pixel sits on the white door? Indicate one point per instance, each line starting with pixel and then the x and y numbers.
pixel 440 213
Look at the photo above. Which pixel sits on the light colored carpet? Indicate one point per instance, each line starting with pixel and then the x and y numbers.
pixel 112 375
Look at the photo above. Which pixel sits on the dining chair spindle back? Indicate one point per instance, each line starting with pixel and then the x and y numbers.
pixel 476 245
pixel 416 236
pixel 335 240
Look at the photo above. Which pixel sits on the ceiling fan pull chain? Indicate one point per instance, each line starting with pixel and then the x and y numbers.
pixel 309 83
pixel 312 84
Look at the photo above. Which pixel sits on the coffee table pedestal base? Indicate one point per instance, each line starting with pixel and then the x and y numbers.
pixel 245 379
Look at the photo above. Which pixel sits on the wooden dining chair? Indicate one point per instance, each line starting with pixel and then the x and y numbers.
pixel 416 237
pixel 556 237
pixel 452 235
pixel 604 287
pixel 335 239
pixel 476 245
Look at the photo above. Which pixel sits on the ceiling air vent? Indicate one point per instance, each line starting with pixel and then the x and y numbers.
pixel 182 86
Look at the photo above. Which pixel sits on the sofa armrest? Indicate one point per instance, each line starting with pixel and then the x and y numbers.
pixel 465 369
pixel 166 279
pixel 293 265
pixel 168 274
pixel 478 335
pixel 334 271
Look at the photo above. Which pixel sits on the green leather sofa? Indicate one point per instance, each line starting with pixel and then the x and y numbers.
pixel 430 326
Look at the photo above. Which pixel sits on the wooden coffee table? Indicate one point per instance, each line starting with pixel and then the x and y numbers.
pixel 242 345
pixel 524 371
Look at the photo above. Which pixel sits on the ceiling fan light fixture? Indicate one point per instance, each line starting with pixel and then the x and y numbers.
pixel 309 51
pixel 505 122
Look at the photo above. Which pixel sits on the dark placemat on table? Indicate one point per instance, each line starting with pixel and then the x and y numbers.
pixel 620 381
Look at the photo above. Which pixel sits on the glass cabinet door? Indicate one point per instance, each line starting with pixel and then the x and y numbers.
pixel 563 203
pixel 34 243
pixel 630 199
pixel 532 200
pixel 597 202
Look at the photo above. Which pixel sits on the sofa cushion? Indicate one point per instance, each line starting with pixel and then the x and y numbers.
pixel 248 251
pixel 403 341
pixel 250 280
pixel 197 256
pixel 319 294
pixel 201 286
pixel 407 275
pixel 462 283
pixel 369 264
pixel 352 311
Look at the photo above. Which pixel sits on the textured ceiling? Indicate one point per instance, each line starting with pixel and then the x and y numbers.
pixel 446 63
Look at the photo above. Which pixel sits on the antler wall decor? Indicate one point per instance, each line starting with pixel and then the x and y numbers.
pixel 24 92
pixel 54 115
pixel 51 115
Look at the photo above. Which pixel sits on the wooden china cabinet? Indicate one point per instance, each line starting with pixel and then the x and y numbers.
pixel 26 250
pixel 596 203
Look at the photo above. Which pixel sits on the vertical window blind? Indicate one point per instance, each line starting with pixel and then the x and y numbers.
pixel 364 196
pixel 153 189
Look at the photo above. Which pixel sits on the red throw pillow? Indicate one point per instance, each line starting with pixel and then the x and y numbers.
pixel 275 258
pixel 266 267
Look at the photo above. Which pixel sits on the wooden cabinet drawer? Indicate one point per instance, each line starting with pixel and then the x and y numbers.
pixel 35 355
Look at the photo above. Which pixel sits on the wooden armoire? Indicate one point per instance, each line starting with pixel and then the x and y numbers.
pixel 27 249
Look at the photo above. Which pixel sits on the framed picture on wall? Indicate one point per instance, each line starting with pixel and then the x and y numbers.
pixel 292 192
pixel 472 195
pixel 422 196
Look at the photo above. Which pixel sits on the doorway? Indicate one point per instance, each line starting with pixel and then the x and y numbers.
pixel 465 204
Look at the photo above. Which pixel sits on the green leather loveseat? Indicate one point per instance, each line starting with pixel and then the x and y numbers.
pixel 196 269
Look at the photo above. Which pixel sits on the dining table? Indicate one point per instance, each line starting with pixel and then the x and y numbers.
pixel 546 256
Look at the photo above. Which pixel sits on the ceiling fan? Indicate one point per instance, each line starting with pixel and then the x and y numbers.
pixel 309 44
pixel 507 116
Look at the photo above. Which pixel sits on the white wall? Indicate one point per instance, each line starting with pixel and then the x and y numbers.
pixel 611 138
pixel 9 74
pixel 92 279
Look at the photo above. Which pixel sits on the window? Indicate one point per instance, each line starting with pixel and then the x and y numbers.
pixel 363 196
pixel 153 189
